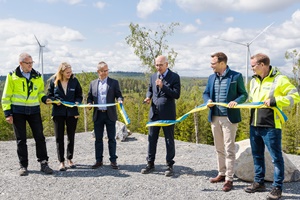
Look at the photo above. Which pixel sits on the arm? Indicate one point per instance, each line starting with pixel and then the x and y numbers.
pixel 6 96
pixel 78 92
pixel 241 90
pixel 174 90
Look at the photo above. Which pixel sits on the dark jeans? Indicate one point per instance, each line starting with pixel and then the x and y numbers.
pixel 35 123
pixel 59 128
pixel 102 119
pixel 271 137
pixel 169 140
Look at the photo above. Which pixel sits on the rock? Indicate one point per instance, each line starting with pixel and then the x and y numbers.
pixel 244 168
pixel 121 131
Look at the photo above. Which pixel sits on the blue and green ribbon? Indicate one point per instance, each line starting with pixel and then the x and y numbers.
pixel 120 107
pixel 282 116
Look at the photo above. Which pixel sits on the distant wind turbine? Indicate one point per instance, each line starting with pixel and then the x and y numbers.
pixel 248 49
pixel 41 60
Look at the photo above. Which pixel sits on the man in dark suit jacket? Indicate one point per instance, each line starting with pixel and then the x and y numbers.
pixel 224 86
pixel 104 90
pixel 164 88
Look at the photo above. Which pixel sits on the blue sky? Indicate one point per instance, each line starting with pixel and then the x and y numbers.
pixel 84 32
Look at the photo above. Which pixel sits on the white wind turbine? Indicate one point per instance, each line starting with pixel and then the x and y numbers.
pixel 248 50
pixel 41 59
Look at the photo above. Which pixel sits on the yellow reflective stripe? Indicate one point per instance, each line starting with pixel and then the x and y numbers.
pixel 22 97
pixel 6 96
pixel 273 87
pixel 6 101
pixel 26 104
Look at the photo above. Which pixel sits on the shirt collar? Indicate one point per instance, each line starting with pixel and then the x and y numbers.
pixel 103 81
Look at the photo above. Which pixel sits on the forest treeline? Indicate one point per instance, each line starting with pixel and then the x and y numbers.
pixel 195 128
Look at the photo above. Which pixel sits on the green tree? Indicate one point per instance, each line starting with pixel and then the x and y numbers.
pixel 149 44
pixel 295 56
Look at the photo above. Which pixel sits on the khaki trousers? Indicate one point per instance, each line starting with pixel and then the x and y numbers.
pixel 224 133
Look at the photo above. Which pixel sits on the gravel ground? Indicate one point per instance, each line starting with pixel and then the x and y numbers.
pixel 195 164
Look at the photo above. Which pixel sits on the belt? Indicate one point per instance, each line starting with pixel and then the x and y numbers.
pixel 102 110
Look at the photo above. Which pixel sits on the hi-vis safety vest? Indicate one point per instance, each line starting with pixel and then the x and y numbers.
pixel 275 87
pixel 21 95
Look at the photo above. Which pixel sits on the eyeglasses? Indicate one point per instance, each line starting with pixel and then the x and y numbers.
pixel 255 65
pixel 28 63
pixel 103 71
pixel 214 63
pixel 159 65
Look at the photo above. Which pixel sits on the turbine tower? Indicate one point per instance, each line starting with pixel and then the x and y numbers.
pixel 248 50
pixel 41 59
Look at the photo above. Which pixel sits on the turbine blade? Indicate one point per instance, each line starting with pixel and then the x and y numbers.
pixel 37 41
pixel 232 41
pixel 261 32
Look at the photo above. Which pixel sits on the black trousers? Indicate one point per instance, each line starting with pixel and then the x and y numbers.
pixel 169 141
pixel 59 128
pixel 35 123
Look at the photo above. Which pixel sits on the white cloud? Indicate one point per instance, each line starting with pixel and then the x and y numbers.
pixel 100 4
pixel 229 20
pixel 146 7
pixel 232 5
pixel 198 21
pixel 73 2
pixel 189 28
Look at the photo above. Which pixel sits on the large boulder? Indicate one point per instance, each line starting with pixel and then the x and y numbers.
pixel 121 131
pixel 244 168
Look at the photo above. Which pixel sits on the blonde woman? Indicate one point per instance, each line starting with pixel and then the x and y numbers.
pixel 65 87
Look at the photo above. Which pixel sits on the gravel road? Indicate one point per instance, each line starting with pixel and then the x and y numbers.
pixel 195 164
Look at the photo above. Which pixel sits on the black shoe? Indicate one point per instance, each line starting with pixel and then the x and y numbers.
pixel 255 187
pixel 23 171
pixel 45 168
pixel 274 194
pixel 169 171
pixel 71 164
pixel 114 165
pixel 97 165
pixel 148 169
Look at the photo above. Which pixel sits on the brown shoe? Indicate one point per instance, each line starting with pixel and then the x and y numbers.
pixel 114 165
pixel 217 179
pixel 227 186
pixel 97 165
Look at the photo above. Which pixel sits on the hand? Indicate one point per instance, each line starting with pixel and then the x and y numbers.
pixel 210 105
pixel 48 101
pixel 232 104
pixel 89 107
pixel 267 102
pixel 147 100
pixel 9 119
pixel 159 83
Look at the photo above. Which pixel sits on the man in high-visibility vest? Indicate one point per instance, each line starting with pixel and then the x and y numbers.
pixel 273 89
pixel 22 94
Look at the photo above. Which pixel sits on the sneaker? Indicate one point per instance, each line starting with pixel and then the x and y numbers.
pixel 23 171
pixel 274 194
pixel 255 187
pixel 148 169
pixel 169 171
pixel 45 168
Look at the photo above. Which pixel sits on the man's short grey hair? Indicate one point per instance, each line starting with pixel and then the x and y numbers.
pixel 23 56
pixel 101 64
